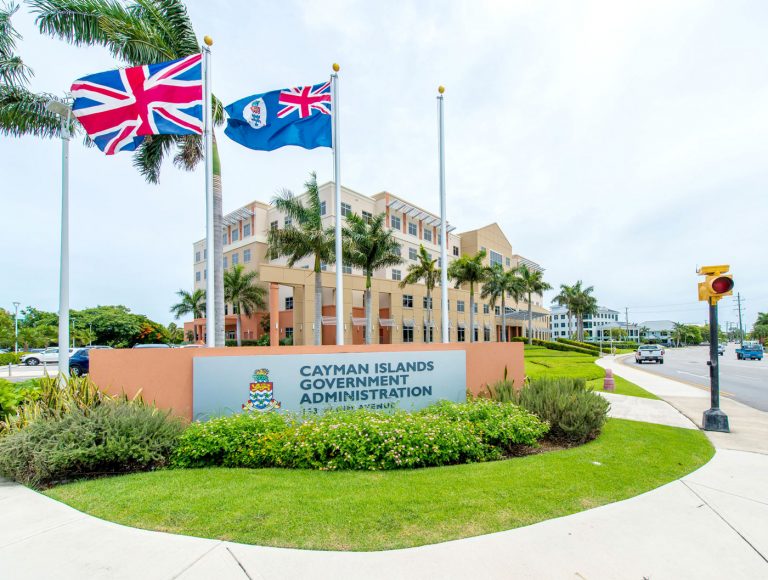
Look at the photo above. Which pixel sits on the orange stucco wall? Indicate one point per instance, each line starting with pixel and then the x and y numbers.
pixel 164 376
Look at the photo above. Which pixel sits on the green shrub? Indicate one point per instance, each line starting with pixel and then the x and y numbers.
pixel 10 358
pixel 575 413
pixel 553 345
pixel 115 437
pixel 443 434
pixel 13 395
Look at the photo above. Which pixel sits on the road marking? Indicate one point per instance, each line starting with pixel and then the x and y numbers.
pixel 693 374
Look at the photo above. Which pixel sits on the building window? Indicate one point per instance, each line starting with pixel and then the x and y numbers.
pixel 459 306
pixel 231 335
pixel 496 258
pixel 412 253
pixel 509 263
pixel 235 234
pixel 322 208
pixel 396 274
pixel 455 250
pixel 429 333
pixel 407 333
pixel 413 229
pixel 476 333
pixel 246 256
pixel 197 276
pixel 323 266
pixel 461 337
pixel 289 332
pixel 367 216
pixel 289 302
pixel 487 334
pixel 288 221
pixel 235 259
pixel 246 230
pixel 427 302
pixel 407 300
pixel 346 269
pixel 225 262
pixel 497 310
pixel 346 209
pixel 474 307
pixel 224 238
pixel 273 225
pixel 197 256
pixel 205 274
pixel 428 235
pixel 205 254
pixel 394 222
pixel 486 309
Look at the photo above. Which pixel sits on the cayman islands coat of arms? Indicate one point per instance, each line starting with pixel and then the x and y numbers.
pixel 261 397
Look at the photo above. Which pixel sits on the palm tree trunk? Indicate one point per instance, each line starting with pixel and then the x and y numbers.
pixel 503 320
pixel 471 312
pixel 218 250
pixel 428 334
pixel 239 341
pixel 570 322
pixel 530 320
pixel 318 306
pixel 368 313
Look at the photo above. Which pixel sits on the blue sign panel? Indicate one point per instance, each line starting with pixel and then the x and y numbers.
pixel 313 383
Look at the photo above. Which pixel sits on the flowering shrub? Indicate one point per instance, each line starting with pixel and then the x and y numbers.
pixel 443 434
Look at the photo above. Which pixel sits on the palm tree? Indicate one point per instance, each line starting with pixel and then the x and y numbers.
pixel 139 33
pixel 241 292
pixel 501 282
pixel 566 298
pixel 306 236
pixel 469 270
pixel 532 282
pixel 584 304
pixel 425 269
pixel 641 332
pixel 22 112
pixel 369 245
pixel 191 303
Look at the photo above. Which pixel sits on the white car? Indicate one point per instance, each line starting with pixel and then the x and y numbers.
pixel 650 352
pixel 49 355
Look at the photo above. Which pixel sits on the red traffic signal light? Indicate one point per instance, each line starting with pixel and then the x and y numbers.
pixel 722 284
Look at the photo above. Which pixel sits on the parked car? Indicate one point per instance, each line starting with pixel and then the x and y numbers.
pixel 721 349
pixel 4 350
pixel 79 363
pixel 151 346
pixel 650 352
pixel 48 355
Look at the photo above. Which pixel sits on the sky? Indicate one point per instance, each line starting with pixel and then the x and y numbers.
pixel 618 143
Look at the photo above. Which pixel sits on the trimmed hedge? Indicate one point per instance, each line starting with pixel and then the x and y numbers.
pixel 554 345
pixel 443 434
pixel 10 358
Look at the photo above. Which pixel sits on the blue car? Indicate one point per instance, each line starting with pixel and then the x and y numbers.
pixel 79 363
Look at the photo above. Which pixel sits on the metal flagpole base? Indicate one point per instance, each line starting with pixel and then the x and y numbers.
pixel 715 420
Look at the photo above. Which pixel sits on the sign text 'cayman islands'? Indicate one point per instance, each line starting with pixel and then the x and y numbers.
pixel 313 383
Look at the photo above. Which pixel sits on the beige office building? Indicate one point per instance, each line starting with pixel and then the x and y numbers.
pixel 400 314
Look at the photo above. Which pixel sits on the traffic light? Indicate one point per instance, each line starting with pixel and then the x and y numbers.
pixel 717 283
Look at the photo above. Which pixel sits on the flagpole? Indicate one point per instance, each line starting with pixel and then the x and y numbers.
pixel 443 227
pixel 210 292
pixel 337 186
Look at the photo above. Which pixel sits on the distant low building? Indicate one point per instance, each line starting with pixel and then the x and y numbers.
pixel 657 330
pixel 593 323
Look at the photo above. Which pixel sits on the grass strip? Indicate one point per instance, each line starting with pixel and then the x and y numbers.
pixel 394 509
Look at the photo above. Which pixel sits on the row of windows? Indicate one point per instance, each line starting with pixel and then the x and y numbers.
pixel 460 305
pixel 236 234
pixel 429 334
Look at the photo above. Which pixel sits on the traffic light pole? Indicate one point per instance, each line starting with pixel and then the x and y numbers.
pixel 714 418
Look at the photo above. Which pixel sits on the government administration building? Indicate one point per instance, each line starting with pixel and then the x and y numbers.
pixel 400 315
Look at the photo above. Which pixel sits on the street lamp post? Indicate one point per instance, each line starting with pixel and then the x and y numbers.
pixel 65 113
pixel 16 326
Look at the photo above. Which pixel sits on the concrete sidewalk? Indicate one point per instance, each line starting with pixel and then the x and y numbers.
pixel 709 524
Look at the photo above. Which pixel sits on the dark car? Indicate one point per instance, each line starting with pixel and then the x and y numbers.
pixel 79 363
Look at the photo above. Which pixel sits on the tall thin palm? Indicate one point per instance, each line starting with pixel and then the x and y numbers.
pixel 566 298
pixel 369 245
pixel 190 303
pixel 425 269
pixel 584 304
pixel 242 292
pixel 469 270
pixel 22 112
pixel 498 285
pixel 532 282
pixel 144 32
pixel 306 238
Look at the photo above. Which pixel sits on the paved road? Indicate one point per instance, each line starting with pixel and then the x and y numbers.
pixel 18 373
pixel 743 380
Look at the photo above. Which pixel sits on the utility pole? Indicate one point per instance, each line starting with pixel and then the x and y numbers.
pixel 626 315
pixel 741 332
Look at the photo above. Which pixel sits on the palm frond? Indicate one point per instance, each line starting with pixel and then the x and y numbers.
pixel 189 152
pixel 148 158
pixel 23 112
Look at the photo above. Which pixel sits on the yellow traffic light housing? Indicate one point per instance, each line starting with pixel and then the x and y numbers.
pixel 717 283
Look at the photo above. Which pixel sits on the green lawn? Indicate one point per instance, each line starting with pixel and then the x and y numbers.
pixel 394 509
pixel 540 361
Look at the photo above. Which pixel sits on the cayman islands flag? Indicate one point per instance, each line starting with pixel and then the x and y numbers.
pixel 298 116
pixel 119 108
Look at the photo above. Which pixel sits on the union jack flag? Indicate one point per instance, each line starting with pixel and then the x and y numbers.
pixel 118 108
pixel 304 100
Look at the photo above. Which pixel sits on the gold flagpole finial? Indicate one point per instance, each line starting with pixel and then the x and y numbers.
pixel 441 89
pixel 208 40
pixel 336 67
